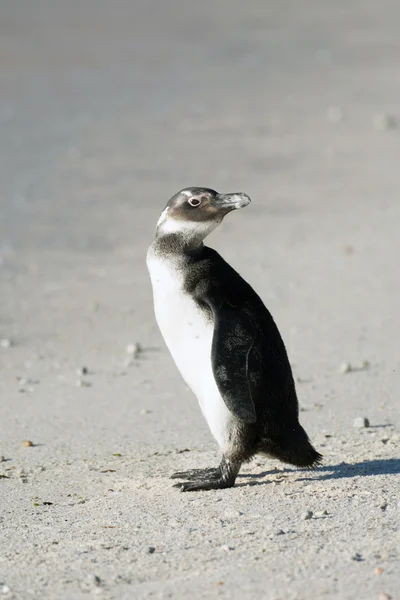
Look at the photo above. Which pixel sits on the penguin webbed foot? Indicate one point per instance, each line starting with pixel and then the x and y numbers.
pixel 218 478
pixel 193 474
pixel 204 484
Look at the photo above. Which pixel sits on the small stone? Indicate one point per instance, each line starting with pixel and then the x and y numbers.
pixel 384 121
pixel 334 114
pixel 82 371
pixel 321 513
pixel 151 550
pixel 226 548
pixel 306 516
pixel 232 514
pixel 145 411
pixel 385 596
pixel 361 422
pixel 28 443
pixel 379 571
pixel 365 364
pixel 5 343
pixel 357 557
pixel 346 368
pixel 5 589
pixel 83 383
pixel 134 349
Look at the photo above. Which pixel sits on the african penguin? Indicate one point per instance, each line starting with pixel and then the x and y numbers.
pixel 224 342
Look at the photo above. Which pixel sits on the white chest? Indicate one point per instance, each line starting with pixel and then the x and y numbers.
pixel 186 332
pixel 188 335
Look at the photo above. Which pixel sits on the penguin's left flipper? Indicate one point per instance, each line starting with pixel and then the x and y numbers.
pixel 232 344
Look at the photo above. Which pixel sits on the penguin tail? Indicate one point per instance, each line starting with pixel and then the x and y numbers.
pixel 293 447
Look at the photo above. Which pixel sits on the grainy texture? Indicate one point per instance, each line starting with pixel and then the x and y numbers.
pixel 106 110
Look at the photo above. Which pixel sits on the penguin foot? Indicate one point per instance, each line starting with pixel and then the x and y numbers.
pixel 220 478
pixel 193 474
pixel 205 484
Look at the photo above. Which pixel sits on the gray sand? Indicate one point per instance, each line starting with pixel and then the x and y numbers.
pixel 106 110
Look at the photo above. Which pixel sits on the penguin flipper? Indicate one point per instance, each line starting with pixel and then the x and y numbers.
pixel 232 344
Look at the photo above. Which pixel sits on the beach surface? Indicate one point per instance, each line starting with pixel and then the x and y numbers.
pixel 106 110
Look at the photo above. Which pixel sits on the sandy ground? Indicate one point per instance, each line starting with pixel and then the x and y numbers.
pixel 106 110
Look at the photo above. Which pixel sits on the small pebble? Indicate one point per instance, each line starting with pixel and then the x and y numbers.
pixel 365 364
pixel 306 516
pixel 82 371
pixel 357 557
pixel 346 368
pixel 134 349
pixel 383 122
pixel 5 343
pixel 5 589
pixel 145 411
pixel 28 443
pixel 334 114
pixel 226 548
pixel 82 383
pixel 361 422
pixel 385 596
pixel 232 514
pixel 151 550
pixel 378 571
pixel 321 513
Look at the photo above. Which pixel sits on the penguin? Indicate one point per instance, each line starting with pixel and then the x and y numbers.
pixel 224 342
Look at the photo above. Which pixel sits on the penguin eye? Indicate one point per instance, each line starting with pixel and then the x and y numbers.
pixel 194 201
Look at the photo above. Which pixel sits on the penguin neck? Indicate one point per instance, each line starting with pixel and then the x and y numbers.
pixel 178 245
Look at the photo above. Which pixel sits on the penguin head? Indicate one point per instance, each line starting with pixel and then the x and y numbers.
pixel 195 212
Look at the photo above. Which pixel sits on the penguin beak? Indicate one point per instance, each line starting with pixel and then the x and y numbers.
pixel 231 201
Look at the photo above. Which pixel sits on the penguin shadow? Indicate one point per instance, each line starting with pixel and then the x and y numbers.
pixel 365 468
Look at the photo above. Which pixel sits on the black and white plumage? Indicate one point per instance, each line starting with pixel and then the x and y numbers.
pixel 224 342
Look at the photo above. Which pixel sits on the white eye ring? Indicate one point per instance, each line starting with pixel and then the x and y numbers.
pixel 194 202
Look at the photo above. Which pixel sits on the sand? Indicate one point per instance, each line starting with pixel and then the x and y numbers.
pixel 106 110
